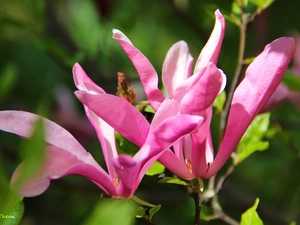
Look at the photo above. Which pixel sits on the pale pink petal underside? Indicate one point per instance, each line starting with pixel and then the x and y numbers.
pixel 59 163
pixel 177 67
pixel 22 124
pixel 83 82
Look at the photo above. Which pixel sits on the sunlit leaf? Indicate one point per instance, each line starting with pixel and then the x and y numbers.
pixel 263 4
pixel 292 81
pixel 113 212
pixel 252 140
pixel 220 101
pixel 156 168
pixel 124 146
pixel 172 180
pixel 250 217
pixel 235 8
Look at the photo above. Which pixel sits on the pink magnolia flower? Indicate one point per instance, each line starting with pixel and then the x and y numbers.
pixel 64 155
pixel 193 155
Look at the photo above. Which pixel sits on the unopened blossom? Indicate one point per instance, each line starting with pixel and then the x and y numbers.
pixel 65 156
pixel 192 93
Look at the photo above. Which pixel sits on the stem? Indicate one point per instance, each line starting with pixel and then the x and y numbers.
pixel 223 178
pixel 224 115
pixel 197 207
pixel 142 202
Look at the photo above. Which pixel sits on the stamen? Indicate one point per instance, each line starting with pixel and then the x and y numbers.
pixel 188 163
pixel 116 180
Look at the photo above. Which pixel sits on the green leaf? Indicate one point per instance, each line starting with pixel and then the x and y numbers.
pixel 156 168
pixel 32 152
pixel 114 212
pixel 252 140
pixel 293 223
pixel 140 212
pixel 153 210
pixel 236 9
pixel 124 146
pixel 247 61
pixel 263 4
pixel 11 205
pixel 206 213
pixel 220 101
pixel 8 79
pixel 292 81
pixel 173 180
pixel 250 217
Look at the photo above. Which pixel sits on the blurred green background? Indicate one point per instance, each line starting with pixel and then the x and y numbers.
pixel 41 40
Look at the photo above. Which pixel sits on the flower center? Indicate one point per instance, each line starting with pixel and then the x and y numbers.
pixel 188 164
pixel 116 180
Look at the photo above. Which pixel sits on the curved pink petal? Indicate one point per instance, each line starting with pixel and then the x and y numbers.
pixel 119 114
pixel 105 133
pixel 83 82
pixel 167 109
pixel 144 68
pixel 261 80
pixel 167 133
pixel 106 136
pixel 59 163
pixel 132 169
pixel 175 165
pixel 203 91
pixel 211 51
pixel 177 67
pixel 22 123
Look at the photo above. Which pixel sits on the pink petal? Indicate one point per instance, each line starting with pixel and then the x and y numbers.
pixel 211 51
pixel 83 82
pixel 131 170
pixel 203 91
pixel 119 114
pixel 169 132
pixel 59 163
pixel 106 136
pixel 177 67
pixel 144 68
pixel 175 165
pixel 105 133
pixel 22 123
pixel 261 80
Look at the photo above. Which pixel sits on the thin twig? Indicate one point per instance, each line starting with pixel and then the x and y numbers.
pixel 223 178
pixel 197 207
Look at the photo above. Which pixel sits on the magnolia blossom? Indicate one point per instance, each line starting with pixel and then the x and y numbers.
pixel 64 155
pixel 193 94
